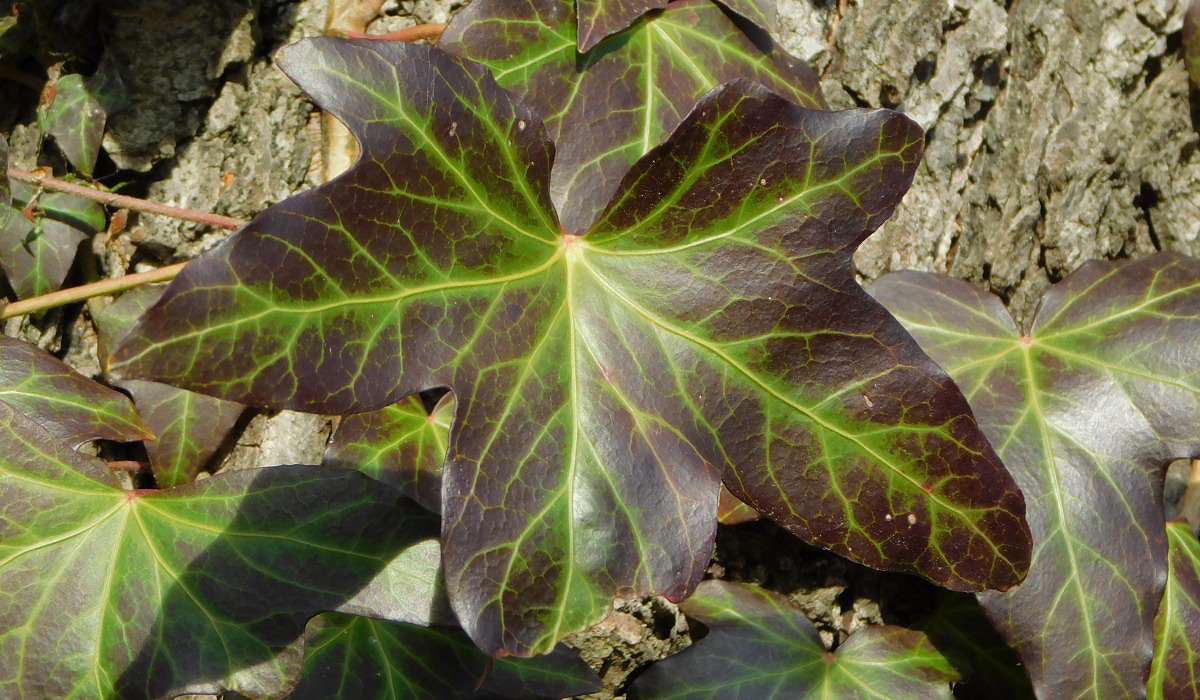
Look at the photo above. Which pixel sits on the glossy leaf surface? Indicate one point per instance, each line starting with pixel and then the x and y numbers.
pixel 357 657
pixel 77 115
pixel 1175 671
pixel 600 18
pixel 36 254
pixel 402 445
pixel 709 325
pixel 764 13
pixel 761 647
pixel 189 428
pixel 70 406
pixel 607 108
pixel 196 589
pixel 1086 409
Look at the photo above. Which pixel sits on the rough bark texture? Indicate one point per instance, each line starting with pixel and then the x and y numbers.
pixel 1058 131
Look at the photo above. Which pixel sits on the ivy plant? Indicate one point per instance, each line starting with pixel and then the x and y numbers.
pixel 1175 671
pixel 1086 406
pixel 189 428
pixel 604 109
pixel 708 326
pixel 758 645
pixel 599 19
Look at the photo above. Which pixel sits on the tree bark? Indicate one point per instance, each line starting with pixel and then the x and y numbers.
pixel 1058 130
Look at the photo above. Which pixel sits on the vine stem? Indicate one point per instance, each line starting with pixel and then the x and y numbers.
pixel 122 201
pixel 87 291
pixel 430 32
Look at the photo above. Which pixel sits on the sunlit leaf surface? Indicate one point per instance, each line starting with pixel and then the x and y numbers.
pixel 607 108
pixel 205 587
pixel 189 428
pixel 402 445
pixel 70 406
pixel 36 253
pixel 708 326
pixel 1175 672
pixel 761 647
pixel 1086 408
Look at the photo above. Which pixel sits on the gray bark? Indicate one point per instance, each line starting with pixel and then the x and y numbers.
pixel 1058 131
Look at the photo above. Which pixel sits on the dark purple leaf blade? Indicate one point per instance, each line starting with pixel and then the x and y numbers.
pixel 197 589
pixel 609 107
pixel 764 13
pixel 990 669
pixel 78 113
pixel 598 19
pixel 605 384
pixel 402 445
pixel 361 658
pixel 1175 671
pixel 1086 410
pixel 37 254
pixel 189 427
pixel 761 647
pixel 70 406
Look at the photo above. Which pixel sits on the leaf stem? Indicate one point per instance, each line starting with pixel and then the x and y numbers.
pixel 123 201
pixel 429 31
pixel 87 291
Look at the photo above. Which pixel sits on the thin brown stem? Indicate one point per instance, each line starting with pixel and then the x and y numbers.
pixel 87 291
pixel 122 201
pixel 429 31
pixel 128 465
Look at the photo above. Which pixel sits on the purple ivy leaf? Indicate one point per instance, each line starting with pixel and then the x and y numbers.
pixel 1175 671
pixel 761 647
pixel 708 327
pixel 1086 408
pixel 607 108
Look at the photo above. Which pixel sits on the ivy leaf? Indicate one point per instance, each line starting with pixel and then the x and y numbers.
pixel 764 13
pixel 402 445
pixel 991 670
pixel 193 590
pixel 1087 409
pixel 37 254
pixel 599 19
pixel 607 108
pixel 1175 671
pixel 357 657
pixel 761 646
pixel 605 383
pixel 78 113
pixel 731 511
pixel 190 427
pixel 70 406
